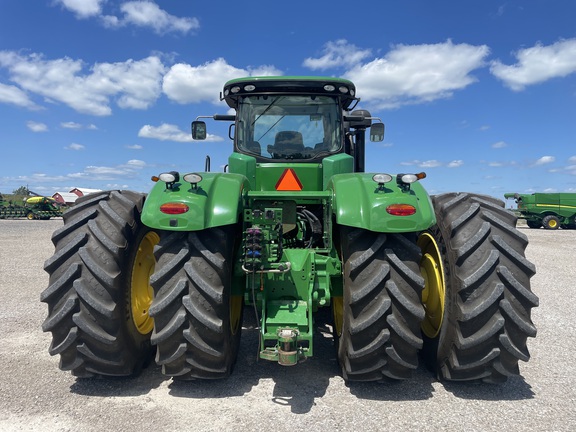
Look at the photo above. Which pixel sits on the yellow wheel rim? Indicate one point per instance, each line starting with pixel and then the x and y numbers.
pixel 30 216
pixel 141 293
pixel 433 296
pixel 236 305
pixel 552 223
pixel 338 313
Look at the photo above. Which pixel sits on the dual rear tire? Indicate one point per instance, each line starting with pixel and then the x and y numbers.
pixel 458 295
pixel 197 320
pixel 108 315
pixel 97 313
pixel 486 317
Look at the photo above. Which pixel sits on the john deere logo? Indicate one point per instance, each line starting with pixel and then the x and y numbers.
pixel 289 181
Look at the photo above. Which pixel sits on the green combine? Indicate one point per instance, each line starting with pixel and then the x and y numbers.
pixel 548 210
pixel 293 225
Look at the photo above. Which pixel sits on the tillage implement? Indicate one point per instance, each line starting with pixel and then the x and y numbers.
pixel 293 226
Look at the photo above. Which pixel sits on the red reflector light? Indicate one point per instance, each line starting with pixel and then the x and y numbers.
pixel 401 210
pixel 174 208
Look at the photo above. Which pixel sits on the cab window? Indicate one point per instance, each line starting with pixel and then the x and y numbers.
pixel 288 127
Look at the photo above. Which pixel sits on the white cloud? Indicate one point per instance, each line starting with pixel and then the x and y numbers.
pixel 83 8
pixel 418 73
pixel 134 147
pixel 499 144
pixel 423 164
pixel 15 96
pixel 430 164
pixel 77 126
pixel 115 186
pixel 110 173
pixel 136 164
pixel 537 64
pixel 148 14
pixel 36 127
pixel 184 83
pixel 111 21
pixel 133 84
pixel 102 172
pixel 170 132
pixel 75 146
pixel 544 160
pixel 165 132
pixel 71 125
pixel 143 13
pixel 39 178
pixel 455 163
pixel 129 170
pixel 338 53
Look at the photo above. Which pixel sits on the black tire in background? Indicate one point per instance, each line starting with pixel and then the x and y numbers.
pixel 89 296
pixel 534 224
pixel 488 300
pixel 197 323
pixel 378 319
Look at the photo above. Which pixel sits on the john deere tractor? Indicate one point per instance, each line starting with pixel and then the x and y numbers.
pixel 294 224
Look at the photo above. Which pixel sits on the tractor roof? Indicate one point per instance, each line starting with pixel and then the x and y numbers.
pixel 303 85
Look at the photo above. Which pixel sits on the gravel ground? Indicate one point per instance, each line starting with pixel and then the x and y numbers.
pixel 36 395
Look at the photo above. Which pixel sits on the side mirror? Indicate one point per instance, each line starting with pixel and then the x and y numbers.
pixel 377 132
pixel 198 130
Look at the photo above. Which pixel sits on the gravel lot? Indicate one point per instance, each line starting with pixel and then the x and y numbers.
pixel 36 395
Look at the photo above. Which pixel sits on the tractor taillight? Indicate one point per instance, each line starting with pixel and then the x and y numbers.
pixel 174 208
pixel 401 209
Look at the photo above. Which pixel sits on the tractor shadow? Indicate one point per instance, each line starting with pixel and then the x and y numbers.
pixel 298 387
pixel 149 379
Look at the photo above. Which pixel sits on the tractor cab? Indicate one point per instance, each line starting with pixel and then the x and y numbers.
pixel 295 120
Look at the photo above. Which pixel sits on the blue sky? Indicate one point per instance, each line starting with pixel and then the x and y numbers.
pixel 480 95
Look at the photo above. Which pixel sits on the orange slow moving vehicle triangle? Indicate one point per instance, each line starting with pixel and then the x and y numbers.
pixel 289 181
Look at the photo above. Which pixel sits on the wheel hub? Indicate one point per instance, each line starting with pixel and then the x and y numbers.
pixel 433 296
pixel 236 305
pixel 338 314
pixel 141 293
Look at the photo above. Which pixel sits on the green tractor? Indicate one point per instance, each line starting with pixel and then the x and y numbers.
pixel 292 226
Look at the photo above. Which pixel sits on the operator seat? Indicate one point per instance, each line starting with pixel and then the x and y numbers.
pixel 254 147
pixel 287 143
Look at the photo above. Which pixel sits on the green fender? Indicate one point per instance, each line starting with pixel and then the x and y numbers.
pixel 215 201
pixel 360 202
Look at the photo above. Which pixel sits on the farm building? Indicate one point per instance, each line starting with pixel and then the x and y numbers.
pixel 67 198
pixel 83 191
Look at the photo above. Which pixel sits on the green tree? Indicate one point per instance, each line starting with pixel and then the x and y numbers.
pixel 22 190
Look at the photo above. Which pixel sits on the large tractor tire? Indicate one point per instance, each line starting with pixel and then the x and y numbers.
pixel 99 293
pixel 198 322
pixel 477 295
pixel 377 321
